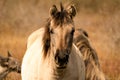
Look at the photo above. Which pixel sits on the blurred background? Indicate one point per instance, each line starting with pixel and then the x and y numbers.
pixel 100 18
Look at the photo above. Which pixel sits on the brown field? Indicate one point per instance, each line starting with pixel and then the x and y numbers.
pixel 101 19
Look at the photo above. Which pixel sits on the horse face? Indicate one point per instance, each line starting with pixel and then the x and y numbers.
pixel 62 37
pixel 61 33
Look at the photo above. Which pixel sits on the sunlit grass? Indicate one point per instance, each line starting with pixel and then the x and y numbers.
pixel 105 47
pixel 102 24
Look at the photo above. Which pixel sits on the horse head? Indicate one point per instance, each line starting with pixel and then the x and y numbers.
pixel 59 34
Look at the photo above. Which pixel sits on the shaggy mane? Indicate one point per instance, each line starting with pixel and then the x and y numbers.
pixel 60 18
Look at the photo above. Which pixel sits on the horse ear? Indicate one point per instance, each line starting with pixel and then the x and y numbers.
pixel 9 54
pixel 71 11
pixel 53 10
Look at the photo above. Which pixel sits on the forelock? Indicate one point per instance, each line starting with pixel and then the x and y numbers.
pixel 62 17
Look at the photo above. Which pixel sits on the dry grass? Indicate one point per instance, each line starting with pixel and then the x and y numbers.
pixel 19 19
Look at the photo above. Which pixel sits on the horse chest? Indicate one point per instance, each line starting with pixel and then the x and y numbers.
pixel 68 75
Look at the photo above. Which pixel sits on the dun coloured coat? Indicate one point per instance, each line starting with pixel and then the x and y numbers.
pixel 51 54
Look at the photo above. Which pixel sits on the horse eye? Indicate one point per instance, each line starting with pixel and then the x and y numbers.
pixel 73 30
pixel 51 31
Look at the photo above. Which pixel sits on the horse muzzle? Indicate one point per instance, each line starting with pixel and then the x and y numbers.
pixel 61 61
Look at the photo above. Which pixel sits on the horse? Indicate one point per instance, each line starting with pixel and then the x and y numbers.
pixel 51 53
pixel 7 65
pixel 92 65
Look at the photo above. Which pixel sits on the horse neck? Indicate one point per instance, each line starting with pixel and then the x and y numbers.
pixel 59 74
pixel 3 72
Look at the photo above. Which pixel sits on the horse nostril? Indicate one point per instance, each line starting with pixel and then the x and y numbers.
pixel 67 57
